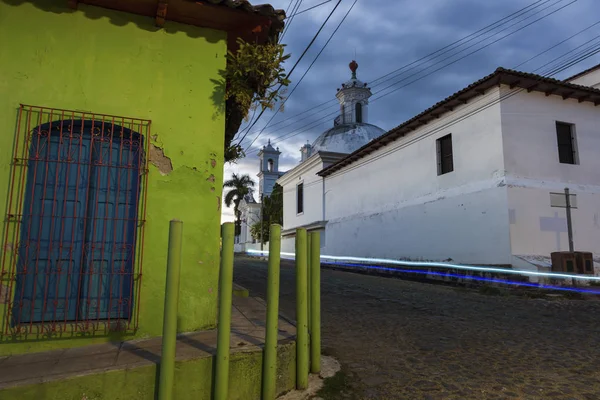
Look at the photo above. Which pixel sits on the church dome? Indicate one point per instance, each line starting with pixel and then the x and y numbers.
pixel 347 138
pixel 351 129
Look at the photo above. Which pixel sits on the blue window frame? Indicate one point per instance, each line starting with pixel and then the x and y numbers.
pixel 79 225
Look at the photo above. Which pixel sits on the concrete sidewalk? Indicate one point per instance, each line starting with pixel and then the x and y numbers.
pixel 247 335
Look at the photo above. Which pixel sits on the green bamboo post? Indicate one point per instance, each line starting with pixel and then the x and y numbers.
pixel 301 311
pixel 315 303
pixel 169 339
pixel 224 327
pixel 308 271
pixel 270 357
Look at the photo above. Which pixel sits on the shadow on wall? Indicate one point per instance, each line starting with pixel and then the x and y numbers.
pixel 218 95
pixel 116 18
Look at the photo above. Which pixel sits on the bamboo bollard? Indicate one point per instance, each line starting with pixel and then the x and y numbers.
pixel 315 303
pixel 169 339
pixel 301 310
pixel 272 332
pixel 224 327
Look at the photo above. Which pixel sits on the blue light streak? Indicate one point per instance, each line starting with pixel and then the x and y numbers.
pixel 475 278
pixel 553 275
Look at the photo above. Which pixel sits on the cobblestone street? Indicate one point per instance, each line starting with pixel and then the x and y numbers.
pixel 407 340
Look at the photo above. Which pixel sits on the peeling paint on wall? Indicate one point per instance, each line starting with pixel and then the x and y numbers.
pixel 159 160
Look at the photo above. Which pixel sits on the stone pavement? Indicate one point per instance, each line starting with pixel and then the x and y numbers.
pixel 407 340
pixel 247 334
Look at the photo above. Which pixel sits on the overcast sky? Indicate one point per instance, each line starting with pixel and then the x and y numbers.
pixel 387 35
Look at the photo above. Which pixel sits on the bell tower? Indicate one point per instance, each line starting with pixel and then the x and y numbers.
pixel 354 99
pixel 269 169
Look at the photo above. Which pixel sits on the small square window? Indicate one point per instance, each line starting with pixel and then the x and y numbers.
pixel 565 137
pixel 445 163
pixel 300 198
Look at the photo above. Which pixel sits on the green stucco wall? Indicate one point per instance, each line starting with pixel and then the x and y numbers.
pixel 193 380
pixel 108 62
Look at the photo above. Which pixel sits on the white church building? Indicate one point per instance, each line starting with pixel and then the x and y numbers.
pixel 249 207
pixel 478 178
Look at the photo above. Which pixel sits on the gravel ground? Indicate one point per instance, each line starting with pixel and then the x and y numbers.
pixel 407 340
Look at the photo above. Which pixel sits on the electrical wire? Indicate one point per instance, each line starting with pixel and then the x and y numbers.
pixel 287 25
pixel 567 64
pixel 477 34
pixel 319 121
pixel 452 122
pixel 305 72
pixel 297 62
pixel 557 44
pixel 313 7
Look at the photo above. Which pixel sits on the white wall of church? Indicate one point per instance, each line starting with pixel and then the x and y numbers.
pixel 393 204
pixel 533 171
pixel 536 228
pixel 250 216
pixel 466 227
pixel 590 79
pixel 313 196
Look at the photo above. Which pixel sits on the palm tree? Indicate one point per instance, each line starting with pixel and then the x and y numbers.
pixel 240 185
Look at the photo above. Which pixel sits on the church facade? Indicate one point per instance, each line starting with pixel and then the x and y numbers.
pixel 303 191
pixel 249 207
pixel 479 178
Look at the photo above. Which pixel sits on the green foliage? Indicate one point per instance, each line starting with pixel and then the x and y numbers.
pixel 255 78
pixel 272 213
pixel 255 231
pixel 273 206
pixel 234 153
pixel 255 75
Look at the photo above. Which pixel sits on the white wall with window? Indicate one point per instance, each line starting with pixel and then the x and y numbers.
pixel 434 194
pixel 549 144
pixel 302 182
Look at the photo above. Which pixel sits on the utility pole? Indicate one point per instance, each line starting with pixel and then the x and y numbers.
pixel 569 223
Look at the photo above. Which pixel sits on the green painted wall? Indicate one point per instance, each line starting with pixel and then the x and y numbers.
pixel 193 380
pixel 109 62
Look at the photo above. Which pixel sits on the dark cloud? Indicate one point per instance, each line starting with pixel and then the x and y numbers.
pixel 387 35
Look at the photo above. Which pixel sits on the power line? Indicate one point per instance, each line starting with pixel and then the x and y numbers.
pixel 579 53
pixel 288 7
pixel 297 61
pixel 318 122
pixel 487 45
pixel 305 72
pixel 322 119
pixel 467 115
pixel 565 65
pixel 287 26
pixel 557 44
pixel 313 7
pixel 511 16
pixel 481 32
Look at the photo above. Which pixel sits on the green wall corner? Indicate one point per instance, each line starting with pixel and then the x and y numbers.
pixel 109 62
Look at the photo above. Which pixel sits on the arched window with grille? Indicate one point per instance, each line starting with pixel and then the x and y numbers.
pixel 79 225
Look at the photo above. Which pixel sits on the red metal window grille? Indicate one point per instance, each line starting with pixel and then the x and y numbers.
pixel 74 230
